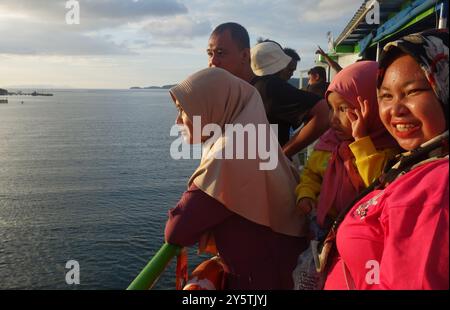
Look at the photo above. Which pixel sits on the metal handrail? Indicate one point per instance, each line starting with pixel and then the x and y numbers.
pixel 151 273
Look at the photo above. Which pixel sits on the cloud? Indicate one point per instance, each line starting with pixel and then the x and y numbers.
pixel 38 39
pixel 123 9
pixel 300 24
pixel 329 10
pixel 149 44
pixel 277 19
pixel 167 37
pixel 43 30
pixel 180 27
pixel 94 14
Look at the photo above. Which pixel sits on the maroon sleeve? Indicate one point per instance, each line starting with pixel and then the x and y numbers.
pixel 195 213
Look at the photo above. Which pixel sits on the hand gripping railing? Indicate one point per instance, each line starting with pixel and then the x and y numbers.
pixel 151 273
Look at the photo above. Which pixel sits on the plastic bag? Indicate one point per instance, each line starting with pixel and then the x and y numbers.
pixel 305 275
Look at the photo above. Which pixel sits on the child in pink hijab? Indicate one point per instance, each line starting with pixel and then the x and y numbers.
pixel 353 152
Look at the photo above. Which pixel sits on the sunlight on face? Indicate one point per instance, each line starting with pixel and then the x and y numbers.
pixel 185 123
pixel 224 53
pixel 408 106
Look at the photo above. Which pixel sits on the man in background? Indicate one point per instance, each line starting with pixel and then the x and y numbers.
pixel 288 72
pixel 317 82
pixel 229 49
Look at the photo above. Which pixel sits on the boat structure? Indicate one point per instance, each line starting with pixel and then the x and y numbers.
pixel 362 38
pixel 3 92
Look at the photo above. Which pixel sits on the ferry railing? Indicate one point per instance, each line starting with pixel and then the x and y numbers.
pixel 151 273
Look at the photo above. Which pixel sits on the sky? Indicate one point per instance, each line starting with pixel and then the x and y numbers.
pixel 123 43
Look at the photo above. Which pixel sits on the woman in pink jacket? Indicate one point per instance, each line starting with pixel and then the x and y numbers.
pixel 397 237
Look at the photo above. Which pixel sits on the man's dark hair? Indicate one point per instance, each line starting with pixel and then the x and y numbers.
pixel 238 33
pixel 271 41
pixel 292 53
pixel 320 71
pixel 260 40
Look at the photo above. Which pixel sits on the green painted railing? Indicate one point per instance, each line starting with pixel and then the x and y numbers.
pixel 151 273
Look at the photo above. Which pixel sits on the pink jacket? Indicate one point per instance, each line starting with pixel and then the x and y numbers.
pixel 397 238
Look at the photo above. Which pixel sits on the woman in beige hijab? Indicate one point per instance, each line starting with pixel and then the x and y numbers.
pixel 232 206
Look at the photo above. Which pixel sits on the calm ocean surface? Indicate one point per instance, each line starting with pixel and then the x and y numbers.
pixel 86 175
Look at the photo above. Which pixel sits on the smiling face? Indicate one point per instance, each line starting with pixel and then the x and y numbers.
pixel 338 118
pixel 408 106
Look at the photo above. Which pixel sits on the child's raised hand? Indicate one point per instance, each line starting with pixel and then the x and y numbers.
pixel 320 51
pixel 358 119
pixel 305 205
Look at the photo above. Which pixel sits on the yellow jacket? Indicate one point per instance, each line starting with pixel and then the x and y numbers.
pixel 368 160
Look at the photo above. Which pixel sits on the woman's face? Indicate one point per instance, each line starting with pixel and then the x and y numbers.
pixel 408 106
pixel 338 118
pixel 186 124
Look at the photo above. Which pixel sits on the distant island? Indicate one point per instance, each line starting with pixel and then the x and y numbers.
pixel 4 92
pixel 154 87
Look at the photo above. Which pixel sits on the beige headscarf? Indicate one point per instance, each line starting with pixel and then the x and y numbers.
pixel 265 197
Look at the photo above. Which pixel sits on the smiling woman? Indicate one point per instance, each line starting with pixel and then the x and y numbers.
pixel 409 108
pixel 401 228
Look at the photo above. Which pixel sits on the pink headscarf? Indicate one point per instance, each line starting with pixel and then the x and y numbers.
pixel 342 182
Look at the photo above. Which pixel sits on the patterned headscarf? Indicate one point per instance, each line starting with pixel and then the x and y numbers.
pixel 430 50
